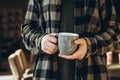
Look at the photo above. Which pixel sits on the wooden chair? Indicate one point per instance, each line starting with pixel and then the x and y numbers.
pixel 19 66
pixel 114 71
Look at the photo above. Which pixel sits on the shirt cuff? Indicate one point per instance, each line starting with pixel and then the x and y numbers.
pixel 91 46
pixel 38 50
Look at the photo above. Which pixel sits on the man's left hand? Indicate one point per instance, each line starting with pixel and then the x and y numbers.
pixel 80 53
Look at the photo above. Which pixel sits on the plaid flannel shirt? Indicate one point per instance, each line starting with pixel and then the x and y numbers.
pixel 94 20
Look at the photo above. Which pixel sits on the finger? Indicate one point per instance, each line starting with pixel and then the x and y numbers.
pixel 73 56
pixel 52 48
pixel 52 39
pixel 66 56
pixel 78 41
pixel 49 51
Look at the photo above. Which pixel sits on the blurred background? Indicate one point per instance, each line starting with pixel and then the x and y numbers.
pixel 11 17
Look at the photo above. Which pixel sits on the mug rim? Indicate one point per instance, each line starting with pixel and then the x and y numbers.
pixel 68 34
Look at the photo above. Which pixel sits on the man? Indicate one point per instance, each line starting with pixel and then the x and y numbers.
pixel 93 20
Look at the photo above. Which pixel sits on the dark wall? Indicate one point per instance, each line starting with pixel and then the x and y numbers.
pixel 12 3
pixel 11 18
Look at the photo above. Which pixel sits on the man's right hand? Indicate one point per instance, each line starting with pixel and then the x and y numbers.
pixel 48 44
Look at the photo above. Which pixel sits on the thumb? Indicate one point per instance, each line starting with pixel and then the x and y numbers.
pixel 78 41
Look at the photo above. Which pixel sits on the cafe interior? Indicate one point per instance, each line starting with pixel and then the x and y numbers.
pixel 16 62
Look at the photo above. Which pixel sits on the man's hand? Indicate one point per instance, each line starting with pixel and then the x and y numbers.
pixel 80 53
pixel 48 44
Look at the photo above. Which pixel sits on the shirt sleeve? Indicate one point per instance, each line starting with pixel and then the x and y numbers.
pixel 31 30
pixel 103 42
